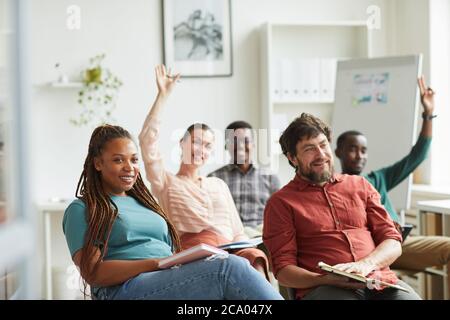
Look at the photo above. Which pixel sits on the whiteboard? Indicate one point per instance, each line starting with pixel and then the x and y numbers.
pixel 379 97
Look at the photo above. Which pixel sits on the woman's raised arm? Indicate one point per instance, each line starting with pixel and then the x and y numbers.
pixel 149 136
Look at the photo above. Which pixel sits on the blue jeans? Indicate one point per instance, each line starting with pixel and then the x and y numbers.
pixel 231 278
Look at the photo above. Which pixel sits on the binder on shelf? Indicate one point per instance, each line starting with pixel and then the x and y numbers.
pixel 304 80
pixel 277 80
pixel 327 79
pixel 301 80
pixel 298 80
pixel 288 80
pixel 311 79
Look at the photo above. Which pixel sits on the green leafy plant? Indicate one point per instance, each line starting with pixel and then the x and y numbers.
pixel 98 94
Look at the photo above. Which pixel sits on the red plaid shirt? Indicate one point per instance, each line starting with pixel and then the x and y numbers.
pixel 341 222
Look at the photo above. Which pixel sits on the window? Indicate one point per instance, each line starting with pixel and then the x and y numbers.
pixel 16 215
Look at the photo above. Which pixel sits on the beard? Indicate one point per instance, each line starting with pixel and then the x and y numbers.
pixel 315 177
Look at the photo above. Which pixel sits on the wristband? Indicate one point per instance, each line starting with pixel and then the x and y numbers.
pixel 428 117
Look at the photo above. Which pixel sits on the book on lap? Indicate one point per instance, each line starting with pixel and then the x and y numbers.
pixel 251 243
pixel 357 277
pixel 197 252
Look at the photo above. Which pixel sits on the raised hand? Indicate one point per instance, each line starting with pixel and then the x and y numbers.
pixel 164 80
pixel 426 96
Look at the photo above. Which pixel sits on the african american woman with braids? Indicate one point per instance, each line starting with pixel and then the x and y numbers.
pixel 116 233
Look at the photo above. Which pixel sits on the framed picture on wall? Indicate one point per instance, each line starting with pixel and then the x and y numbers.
pixel 197 37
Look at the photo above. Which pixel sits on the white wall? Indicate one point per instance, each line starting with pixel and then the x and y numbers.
pixel 440 82
pixel 423 26
pixel 130 34
pixel 409 27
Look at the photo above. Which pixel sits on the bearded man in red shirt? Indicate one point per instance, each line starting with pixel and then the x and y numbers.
pixel 334 218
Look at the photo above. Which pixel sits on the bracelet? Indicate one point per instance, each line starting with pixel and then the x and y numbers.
pixel 428 117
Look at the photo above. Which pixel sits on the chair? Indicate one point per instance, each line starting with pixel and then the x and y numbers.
pixel 287 292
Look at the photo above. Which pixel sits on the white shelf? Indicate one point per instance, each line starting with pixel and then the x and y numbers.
pixel 60 85
pixel 54 206
pixel 275 102
pixel 324 23
pixel 441 206
pixel 291 50
pixel 67 85
pixel 427 191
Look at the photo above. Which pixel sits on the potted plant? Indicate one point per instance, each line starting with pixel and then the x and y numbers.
pixel 98 94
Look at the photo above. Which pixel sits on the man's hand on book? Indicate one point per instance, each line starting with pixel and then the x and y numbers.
pixel 360 267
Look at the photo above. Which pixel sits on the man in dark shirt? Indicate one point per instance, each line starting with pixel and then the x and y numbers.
pixel 418 252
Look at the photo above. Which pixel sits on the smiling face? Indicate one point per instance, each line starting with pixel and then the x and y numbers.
pixel 353 154
pixel 240 145
pixel 118 166
pixel 314 160
pixel 197 147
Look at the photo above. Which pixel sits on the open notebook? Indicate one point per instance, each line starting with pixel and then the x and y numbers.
pixel 195 253
pixel 357 277
pixel 251 243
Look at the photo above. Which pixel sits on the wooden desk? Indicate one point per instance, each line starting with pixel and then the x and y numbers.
pixel 441 208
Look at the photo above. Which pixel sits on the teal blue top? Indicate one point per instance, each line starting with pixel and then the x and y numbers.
pixel 387 178
pixel 137 233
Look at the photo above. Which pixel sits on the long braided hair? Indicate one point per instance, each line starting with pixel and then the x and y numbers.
pixel 101 211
